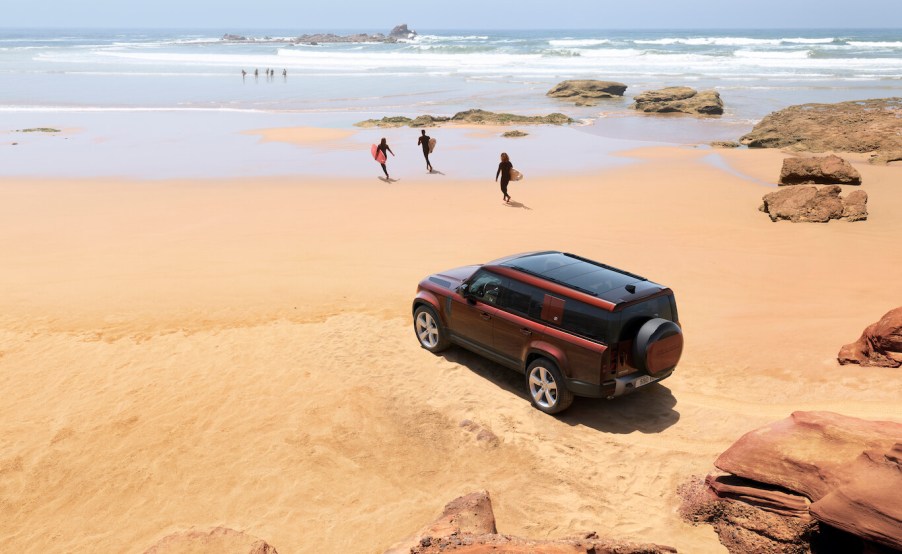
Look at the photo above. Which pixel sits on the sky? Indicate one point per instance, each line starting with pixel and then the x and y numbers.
pixel 381 16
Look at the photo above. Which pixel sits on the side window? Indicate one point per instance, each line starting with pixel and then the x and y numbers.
pixel 486 287
pixel 522 299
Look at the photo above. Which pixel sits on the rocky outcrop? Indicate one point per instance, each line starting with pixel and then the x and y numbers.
pixel 880 345
pixel 467 525
pixel 219 540
pixel 472 117
pixel 826 170
pixel 725 144
pixel 850 470
pixel 586 92
pixel 514 134
pixel 814 205
pixel 857 126
pixel 402 32
pixel 679 99
pixel 743 527
pixel 883 158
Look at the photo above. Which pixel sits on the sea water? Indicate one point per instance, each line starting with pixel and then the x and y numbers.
pixel 147 81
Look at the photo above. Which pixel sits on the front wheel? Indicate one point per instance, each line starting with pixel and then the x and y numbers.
pixel 429 330
pixel 546 387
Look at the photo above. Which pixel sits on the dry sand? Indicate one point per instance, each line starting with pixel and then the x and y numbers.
pixel 196 353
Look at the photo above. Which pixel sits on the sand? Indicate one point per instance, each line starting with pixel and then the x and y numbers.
pixel 186 354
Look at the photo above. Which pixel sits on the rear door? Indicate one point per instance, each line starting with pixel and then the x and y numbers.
pixel 577 329
pixel 517 321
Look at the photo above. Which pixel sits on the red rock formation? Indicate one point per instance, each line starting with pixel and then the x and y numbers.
pixel 467 526
pixel 880 344
pixel 849 468
pixel 814 205
pixel 826 170
pixel 219 540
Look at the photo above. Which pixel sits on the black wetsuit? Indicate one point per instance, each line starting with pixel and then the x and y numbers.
pixel 424 142
pixel 504 169
pixel 385 150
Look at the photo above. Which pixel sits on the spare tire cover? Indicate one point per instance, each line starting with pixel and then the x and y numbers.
pixel 658 346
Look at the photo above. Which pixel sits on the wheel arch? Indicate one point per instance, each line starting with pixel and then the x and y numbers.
pixel 545 350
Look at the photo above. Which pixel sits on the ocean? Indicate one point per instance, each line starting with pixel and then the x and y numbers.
pixel 79 77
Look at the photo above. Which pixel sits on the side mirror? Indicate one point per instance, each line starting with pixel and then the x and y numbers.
pixel 463 289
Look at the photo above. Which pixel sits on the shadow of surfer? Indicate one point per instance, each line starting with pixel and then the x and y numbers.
pixel 387 179
pixel 515 204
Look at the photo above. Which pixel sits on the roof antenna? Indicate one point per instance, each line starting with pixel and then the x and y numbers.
pixel 631 289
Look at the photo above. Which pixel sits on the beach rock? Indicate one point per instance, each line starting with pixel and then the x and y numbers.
pixel 218 540
pixel 818 170
pixel 679 99
pixel 428 121
pixel 514 134
pixel 879 345
pixel 814 205
pixel 230 37
pixel 744 528
pixel 402 32
pixel 855 206
pixel 586 92
pixel 482 117
pixel 473 117
pixel 883 158
pixel 858 126
pixel 848 468
pixel 467 525
pixel 725 144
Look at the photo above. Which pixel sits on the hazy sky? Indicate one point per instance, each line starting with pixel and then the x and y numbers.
pixel 374 16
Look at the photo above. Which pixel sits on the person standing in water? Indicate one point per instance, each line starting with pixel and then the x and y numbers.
pixel 424 142
pixel 384 148
pixel 504 170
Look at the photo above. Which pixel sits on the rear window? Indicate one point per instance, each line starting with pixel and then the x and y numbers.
pixel 632 317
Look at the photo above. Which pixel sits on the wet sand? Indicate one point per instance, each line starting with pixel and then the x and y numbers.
pixel 192 353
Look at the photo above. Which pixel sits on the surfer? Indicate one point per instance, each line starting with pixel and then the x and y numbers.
pixel 384 148
pixel 504 170
pixel 424 142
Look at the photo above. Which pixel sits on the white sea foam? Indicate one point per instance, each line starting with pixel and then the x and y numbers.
pixel 878 44
pixel 733 41
pixel 771 55
pixel 577 43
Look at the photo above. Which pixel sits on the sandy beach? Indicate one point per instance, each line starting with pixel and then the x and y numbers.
pixel 180 354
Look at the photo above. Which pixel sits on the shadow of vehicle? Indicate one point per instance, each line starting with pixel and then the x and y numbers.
pixel 650 410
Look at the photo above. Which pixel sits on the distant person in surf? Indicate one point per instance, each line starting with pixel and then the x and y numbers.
pixel 504 171
pixel 284 73
pixel 384 148
pixel 424 141
pixel 243 74
pixel 256 73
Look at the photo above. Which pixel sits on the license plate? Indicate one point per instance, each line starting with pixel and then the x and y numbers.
pixel 642 381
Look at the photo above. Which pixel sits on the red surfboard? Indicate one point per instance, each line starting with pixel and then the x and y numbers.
pixel 377 154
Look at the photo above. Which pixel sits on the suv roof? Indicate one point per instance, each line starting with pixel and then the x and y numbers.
pixel 583 275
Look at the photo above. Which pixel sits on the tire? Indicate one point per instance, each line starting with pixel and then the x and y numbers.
pixel 428 328
pixel 658 346
pixel 546 387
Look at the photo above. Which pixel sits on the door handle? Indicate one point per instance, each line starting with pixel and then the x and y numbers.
pixel 525 331
pixel 486 316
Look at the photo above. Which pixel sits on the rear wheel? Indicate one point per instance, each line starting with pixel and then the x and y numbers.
pixel 429 330
pixel 546 387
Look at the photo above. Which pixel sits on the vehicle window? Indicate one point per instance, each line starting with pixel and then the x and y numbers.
pixel 634 316
pixel 522 299
pixel 585 320
pixel 486 286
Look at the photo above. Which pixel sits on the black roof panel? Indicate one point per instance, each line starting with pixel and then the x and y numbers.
pixel 579 273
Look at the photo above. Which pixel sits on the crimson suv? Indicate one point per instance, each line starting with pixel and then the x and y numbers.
pixel 573 326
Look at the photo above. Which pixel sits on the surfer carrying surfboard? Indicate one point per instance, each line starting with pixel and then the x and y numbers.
pixel 428 144
pixel 382 156
pixel 504 170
